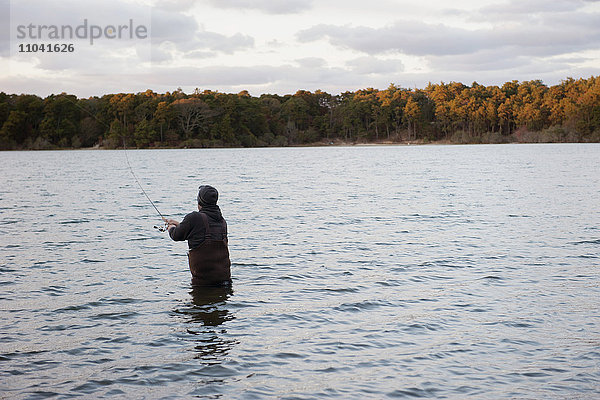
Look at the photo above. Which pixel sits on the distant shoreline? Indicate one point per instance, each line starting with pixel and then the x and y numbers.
pixel 307 145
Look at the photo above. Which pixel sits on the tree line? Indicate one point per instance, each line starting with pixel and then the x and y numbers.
pixel 453 112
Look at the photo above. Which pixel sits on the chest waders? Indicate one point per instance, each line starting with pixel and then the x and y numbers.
pixel 209 262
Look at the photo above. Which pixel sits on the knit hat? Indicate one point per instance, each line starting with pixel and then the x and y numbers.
pixel 207 195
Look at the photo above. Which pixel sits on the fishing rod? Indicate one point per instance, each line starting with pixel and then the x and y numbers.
pixel 161 228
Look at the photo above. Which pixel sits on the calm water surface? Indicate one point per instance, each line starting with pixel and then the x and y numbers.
pixel 359 272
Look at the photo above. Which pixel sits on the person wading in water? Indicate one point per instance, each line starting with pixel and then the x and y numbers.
pixel 206 233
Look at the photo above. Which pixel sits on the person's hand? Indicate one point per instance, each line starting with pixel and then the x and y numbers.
pixel 171 222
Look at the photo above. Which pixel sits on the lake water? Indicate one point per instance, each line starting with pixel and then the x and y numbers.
pixel 358 272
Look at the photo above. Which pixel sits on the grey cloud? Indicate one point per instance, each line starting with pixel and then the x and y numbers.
pixel 524 44
pixel 267 6
pixel 514 8
pixel 453 12
pixel 101 60
pixel 486 60
pixel 183 31
pixel 172 26
pixel 409 37
pixel 268 79
pixel 220 76
pixel 160 54
pixel 72 12
pixel 498 66
pixel 547 23
pixel 174 5
pixel 553 34
pixel 373 65
pixel 199 54
pixel 573 59
pixel 225 44
pixel 311 62
pixel 275 43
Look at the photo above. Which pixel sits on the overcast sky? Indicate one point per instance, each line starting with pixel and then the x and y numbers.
pixel 269 46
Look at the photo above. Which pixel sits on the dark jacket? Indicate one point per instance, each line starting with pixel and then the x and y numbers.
pixel 192 227
pixel 206 233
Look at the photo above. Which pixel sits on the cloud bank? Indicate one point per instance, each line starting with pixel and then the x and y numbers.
pixel 281 47
pixel 267 6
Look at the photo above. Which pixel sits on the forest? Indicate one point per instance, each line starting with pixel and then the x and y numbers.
pixel 528 111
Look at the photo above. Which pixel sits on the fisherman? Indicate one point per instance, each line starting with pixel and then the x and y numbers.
pixel 206 233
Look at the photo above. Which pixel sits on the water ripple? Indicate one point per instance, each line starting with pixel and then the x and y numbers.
pixel 358 272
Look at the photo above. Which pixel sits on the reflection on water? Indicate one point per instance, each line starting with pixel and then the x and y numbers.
pixel 205 316
pixel 210 305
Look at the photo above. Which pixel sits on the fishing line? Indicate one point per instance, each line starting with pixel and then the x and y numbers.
pixel 139 184
pixel 160 228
